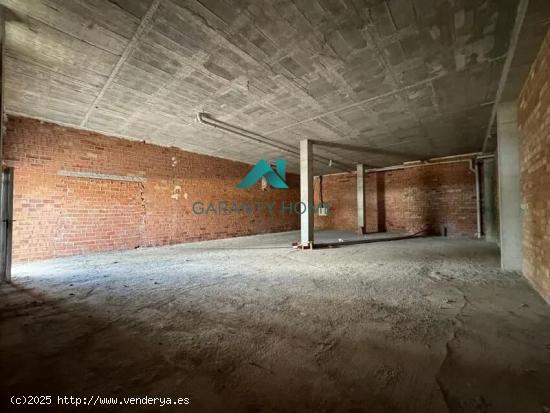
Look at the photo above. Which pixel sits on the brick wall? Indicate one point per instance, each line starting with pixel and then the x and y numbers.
pixel 412 199
pixel 66 215
pixel 534 122
pixel 339 192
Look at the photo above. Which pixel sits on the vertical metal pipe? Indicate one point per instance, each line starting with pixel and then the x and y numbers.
pixel 474 167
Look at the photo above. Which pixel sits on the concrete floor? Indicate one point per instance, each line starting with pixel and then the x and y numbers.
pixel 248 324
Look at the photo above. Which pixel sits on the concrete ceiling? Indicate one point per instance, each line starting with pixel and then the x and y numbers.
pixel 410 79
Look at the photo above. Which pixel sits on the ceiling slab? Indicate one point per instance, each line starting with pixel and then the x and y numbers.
pixel 410 79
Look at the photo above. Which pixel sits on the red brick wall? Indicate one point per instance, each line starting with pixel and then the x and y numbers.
pixel 412 199
pixel 534 122
pixel 59 215
pixel 339 192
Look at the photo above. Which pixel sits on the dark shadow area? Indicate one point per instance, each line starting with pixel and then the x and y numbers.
pixel 59 347
pixel 381 201
pixel 54 346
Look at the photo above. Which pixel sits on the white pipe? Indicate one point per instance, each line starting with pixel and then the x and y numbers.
pixel 419 165
pixel 461 156
pixel 486 156
pixel 474 167
pixel 206 120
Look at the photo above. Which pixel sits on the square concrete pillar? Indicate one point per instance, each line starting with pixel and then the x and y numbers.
pixel 360 198
pixel 489 216
pixel 509 187
pixel 306 193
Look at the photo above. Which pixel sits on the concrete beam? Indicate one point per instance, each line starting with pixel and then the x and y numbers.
pixel 509 187
pixel 95 175
pixel 360 198
pixel 144 26
pixel 306 192
pixel 206 119
pixel 518 24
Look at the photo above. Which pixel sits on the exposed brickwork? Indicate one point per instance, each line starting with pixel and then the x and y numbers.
pixel 339 192
pixel 534 122
pixel 428 197
pixel 59 215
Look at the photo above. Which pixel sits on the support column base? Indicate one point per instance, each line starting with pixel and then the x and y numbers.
pixel 303 246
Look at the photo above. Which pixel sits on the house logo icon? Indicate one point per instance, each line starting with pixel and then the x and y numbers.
pixel 263 170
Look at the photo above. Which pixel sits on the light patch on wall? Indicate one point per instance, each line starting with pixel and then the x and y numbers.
pixel 176 192
pixel 95 175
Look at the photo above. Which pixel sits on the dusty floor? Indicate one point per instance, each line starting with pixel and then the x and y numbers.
pixel 251 325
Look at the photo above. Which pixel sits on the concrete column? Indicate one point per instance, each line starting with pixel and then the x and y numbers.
pixel 306 192
pixel 2 80
pixel 360 198
pixel 489 224
pixel 509 187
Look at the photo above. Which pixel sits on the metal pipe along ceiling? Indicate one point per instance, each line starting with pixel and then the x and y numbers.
pixel 205 119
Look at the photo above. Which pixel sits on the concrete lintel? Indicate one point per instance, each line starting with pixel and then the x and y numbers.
pixel 306 192
pixel 94 175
